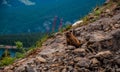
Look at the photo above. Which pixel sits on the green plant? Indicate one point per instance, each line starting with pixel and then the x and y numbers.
pixel 6 61
pixel 85 19
pixel 97 12
pixel 109 4
pixel 19 55
pixel 65 28
pixel 19 44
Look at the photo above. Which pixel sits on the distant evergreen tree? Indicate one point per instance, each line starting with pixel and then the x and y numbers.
pixel 19 46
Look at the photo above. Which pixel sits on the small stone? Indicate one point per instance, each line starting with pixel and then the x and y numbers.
pixel 117 25
pixel 118 70
pixel 32 65
pixel 77 23
pixel 118 61
pixel 107 11
pixel 64 70
pixel 103 54
pixel 29 69
pixel 83 70
pixel 77 59
pixel 54 65
pixel 38 70
pixel 6 68
pixel 71 63
pixel 94 62
pixel 80 51
pixel 71 47
pixel 106 29
pixel 106 61
pixel 58 40
pixel 77 33
pixel 70 68
pixel 83 63
pixel 10 71
pixel 41 59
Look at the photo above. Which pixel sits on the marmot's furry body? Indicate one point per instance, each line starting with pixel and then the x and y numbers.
pixel 71 39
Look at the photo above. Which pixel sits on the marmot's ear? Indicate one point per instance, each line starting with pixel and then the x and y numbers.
pixel 72 31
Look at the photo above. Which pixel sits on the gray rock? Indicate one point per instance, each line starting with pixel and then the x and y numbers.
pixel 29 69
pixel 94 62
pixel 41 59
pixel 83 62
pixel 80 51
pixel 118 70
pixel 103 54
pixel 70 47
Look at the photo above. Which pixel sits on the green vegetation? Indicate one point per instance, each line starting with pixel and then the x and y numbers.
pixel 19 55
pixel 93 16
pixel 38 44
pixel 21 51
pixel 85 19
pixel 6 61
pixel 109 5
pixel 19 45
pixel 96 13
pixel 65 28
pixel 27 39
pixel 42 39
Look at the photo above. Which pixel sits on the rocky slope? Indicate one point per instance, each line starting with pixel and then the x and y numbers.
pixel 99 51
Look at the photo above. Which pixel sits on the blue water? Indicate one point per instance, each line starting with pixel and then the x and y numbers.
pixel 38 15
pixel 12 52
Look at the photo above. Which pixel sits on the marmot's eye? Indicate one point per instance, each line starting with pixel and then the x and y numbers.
pixel 70 30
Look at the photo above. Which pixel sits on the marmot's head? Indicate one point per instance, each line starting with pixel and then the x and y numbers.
pixel 68 33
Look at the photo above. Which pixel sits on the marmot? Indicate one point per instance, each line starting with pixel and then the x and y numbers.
pixel 71 39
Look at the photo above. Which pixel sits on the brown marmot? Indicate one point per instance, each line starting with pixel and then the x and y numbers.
pixel 71 39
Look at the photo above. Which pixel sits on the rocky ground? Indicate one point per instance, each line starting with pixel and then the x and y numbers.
pixel 99 51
